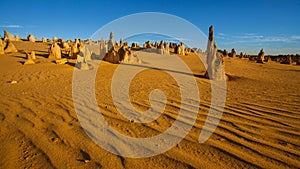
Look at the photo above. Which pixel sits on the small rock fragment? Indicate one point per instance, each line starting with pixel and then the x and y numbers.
pixel 13 82
pixel 61 61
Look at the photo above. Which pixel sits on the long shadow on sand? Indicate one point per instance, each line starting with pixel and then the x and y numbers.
pixel 71 64
pixel 201 76
pixel 167 70
pixel 43 55
pixel 22 57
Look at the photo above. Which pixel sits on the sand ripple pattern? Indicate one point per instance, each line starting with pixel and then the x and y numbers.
pixel 259 128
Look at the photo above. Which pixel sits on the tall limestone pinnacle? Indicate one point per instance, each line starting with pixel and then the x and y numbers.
pixel 103 48
pixel 111 41
pixel 215 70
pixel 261 56
pixel 211 39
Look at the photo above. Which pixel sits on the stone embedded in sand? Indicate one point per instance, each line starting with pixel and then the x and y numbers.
pixel 63 44
pixel 179 49
pixel 145 45
pixel 124 53
pixel 61 61
pixel 187 50
pixel 163 48
pixel 85 156
pixel 74 50
pixel 81 62
pixel 44 40
pixel 8 36
pixel 32 55
pixel 297 59
pixel 167 50
pixel 54 38
pixel 17 38
pixel 268 58
pixel 160 48
pixel 199 51
pixel 30 38
pixel 2 50
pixel 89 42
pixel 241 55
pixel 112 56
pixel 225 53
pixel 13 82
pixel 121 55
pixel 2 46
pixel 166 45
pixel 30 58
pixel 121 42
pixel 155 44
pixel 215 63
pixel 148 44
pixel 220 55
pixel 110 43
pixel 29 62
pixel 172 45
pixel 288 59
pixel 103 48
pixel 84 51
pixel 126 56
pixel 232 53
pixel 77 41
pixel 261 56
pixel 211 54
pixel 134 45
pixel 251 58
pixel 10 47
pixel 132 59
pixel 176 49
pixel 193 50
pixel 54 51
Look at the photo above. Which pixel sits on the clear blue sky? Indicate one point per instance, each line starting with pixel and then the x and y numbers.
pixel 245 25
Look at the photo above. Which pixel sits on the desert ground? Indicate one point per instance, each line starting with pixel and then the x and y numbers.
pixel 39 128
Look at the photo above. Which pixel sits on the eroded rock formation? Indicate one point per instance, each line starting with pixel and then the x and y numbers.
pixel 298 59
pixel 2 46
pixel 54 51
pixel 30 58
pixel 30 38
pixel 44 40
pixel 179 49
pixel 261 56
pixel 112 56
pixel 10 47
pixel 233 53
pixel 121 55
pixel 110 43
pixel 74 50
pixel 103 48
pixel 288 59
pixel 8 36
pixel 215 63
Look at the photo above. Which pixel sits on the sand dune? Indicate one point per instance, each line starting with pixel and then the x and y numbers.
pixel 260 126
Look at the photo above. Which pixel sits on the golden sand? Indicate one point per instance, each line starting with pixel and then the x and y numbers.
pixel 260 126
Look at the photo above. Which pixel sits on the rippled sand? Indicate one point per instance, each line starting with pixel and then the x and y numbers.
pixel 39 128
